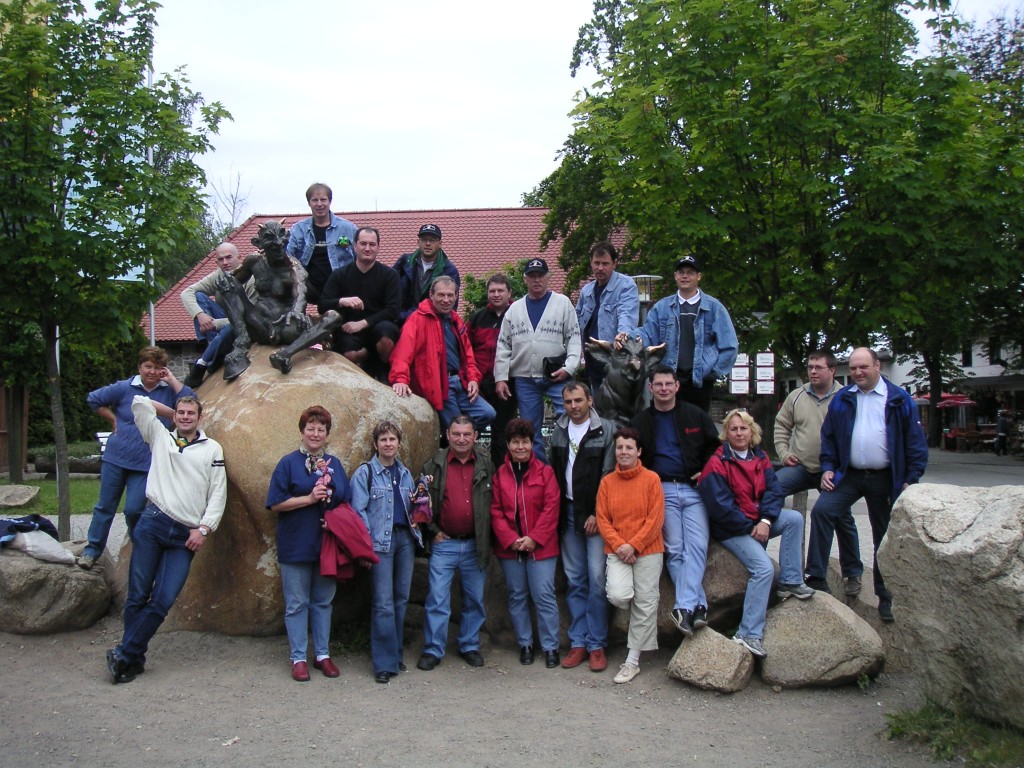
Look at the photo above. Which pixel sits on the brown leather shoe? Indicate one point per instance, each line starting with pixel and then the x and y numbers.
pixel 328 667
pixel 300 672
pixel 574 658
pixel 598 661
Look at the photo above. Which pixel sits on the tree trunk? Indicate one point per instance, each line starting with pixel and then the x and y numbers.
pixel 934 365
pixel 60 437
pixel 16 432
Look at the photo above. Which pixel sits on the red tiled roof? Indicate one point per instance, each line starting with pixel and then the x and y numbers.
pixel 479 241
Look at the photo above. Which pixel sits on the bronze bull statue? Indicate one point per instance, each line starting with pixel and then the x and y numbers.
pixel 622 393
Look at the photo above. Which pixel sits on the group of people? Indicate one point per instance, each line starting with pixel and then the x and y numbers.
pixel 614 503
pixel 401 323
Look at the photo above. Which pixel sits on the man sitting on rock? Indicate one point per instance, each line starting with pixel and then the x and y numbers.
pixel 279 314
pixel 368 296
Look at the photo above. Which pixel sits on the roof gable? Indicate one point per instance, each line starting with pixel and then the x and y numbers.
pixel 479 241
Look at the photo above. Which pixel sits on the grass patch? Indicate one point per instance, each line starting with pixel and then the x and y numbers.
pixel 84 493
pixel 82 449
pixel 956 736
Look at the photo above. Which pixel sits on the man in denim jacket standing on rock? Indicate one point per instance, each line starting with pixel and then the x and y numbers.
pixel 698 333
pixel 322 243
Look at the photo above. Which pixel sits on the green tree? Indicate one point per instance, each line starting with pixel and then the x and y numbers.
pixel 80 204
pixel 830 183
pixel 473 294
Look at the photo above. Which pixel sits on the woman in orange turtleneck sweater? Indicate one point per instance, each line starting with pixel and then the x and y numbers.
pixel 630 515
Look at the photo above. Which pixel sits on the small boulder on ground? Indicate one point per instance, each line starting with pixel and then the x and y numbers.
pixel 713 662
pixel 15 496
pixel 818 642
pixel 38 598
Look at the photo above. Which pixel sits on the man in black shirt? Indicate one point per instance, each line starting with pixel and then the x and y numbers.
pixel 368 296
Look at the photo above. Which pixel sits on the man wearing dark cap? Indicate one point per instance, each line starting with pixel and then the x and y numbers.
pixel 697 331
pixel 418 270
pixel 538 348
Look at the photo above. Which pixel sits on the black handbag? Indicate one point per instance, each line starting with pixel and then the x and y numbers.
pixel 553 364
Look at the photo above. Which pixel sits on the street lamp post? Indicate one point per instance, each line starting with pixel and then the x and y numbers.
pixel 645 289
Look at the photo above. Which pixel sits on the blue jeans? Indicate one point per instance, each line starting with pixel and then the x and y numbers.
pixel 583 560
pixel 307 604
pixel 686 543
pixel 480 411
pixel 751 552
pixel 392 579
pixel 532 579
pixel 218 342
pixel 530 396
pixel 447 557
pixel 114 481
pixel 159 566
pixel 875 487
pixel 796 479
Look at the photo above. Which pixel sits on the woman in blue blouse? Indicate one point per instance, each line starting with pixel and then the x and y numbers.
pixel 305 484
pixel 125 463
pixel 381 491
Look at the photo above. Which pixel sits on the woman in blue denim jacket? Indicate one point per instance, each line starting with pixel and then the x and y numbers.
pixel 381 491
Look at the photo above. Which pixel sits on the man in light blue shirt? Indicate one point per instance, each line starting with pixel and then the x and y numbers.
pixel 872 447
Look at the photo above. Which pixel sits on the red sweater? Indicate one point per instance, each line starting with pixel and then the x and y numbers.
pixel 631 510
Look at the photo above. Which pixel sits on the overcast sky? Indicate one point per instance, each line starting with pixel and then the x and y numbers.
pixel 397 104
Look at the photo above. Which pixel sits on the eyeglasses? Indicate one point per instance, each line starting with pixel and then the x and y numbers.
pixel 817 368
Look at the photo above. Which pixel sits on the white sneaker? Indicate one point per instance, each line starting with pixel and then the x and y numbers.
pixel 626 673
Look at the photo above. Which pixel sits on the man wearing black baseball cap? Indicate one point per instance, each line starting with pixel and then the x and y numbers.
pixel 418 270
pixel 538 347
pixel 698 333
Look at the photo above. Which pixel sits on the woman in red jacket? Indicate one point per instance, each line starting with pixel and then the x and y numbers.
pixel 524 517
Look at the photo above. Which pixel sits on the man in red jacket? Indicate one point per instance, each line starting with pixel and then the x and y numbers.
pixel 484 326
pixel 434 359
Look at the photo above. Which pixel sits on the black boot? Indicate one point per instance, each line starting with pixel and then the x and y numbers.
pixel 196 373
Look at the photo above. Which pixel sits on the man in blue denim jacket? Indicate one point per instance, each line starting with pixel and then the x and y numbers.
pixel 322 243
pixel 698 333
pixel 608 305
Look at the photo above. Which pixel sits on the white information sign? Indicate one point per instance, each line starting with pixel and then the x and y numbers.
pixel 740 374
pixel 765 387
pixel 766 374
pixel 739 387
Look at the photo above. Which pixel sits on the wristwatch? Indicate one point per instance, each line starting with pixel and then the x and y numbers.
pixel 766 521
pixel 203 531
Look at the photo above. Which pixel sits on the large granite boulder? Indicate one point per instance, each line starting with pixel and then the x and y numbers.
pixel 713 662
pixel 954 561
pixel 818 642
pixel 234 585
pixel 38 598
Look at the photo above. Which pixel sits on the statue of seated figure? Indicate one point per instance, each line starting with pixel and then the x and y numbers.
pixel 278 316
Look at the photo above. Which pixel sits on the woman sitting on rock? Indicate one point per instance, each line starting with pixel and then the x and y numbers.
pixel 305 484
pixel 744 504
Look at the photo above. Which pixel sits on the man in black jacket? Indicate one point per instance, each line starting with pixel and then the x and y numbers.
pixel 581 453
pixel 676 440
pixel 368 296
